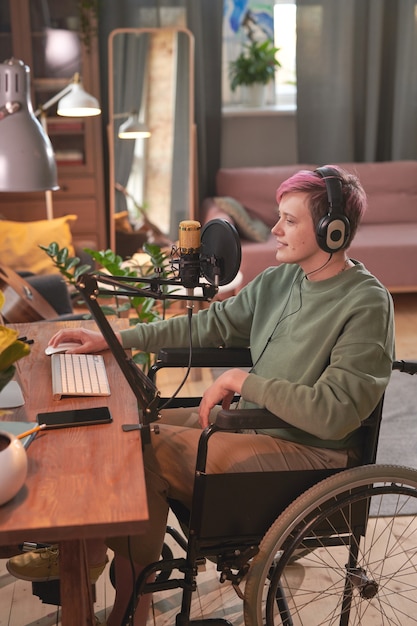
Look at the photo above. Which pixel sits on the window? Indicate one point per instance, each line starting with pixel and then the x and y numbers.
pixel 277 21
pixel 285 39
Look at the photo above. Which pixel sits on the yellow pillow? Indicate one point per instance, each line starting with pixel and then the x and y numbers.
pixel 19 243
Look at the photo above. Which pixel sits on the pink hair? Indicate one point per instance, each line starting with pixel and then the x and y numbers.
pixel 308 181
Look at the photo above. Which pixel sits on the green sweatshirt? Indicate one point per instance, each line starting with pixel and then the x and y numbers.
pixel 322 350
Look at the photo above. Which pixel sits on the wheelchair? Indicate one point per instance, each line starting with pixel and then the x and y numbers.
pixel 316 547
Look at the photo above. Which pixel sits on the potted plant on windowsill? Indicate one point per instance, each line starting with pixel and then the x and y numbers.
pixel 253 69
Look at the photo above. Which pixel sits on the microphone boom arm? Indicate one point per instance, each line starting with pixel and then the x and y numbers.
pixel 145 391
pixel 218 262
pixel 153 291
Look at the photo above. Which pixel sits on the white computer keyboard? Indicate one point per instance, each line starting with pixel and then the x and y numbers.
pixel 78 375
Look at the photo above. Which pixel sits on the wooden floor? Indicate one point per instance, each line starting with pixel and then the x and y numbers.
pixel 18 607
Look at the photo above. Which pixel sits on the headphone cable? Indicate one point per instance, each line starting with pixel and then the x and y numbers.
pixel 307 274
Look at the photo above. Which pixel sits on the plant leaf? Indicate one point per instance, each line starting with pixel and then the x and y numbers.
pixel 11 349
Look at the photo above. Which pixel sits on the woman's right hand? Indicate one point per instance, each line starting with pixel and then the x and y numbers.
pixel 89 341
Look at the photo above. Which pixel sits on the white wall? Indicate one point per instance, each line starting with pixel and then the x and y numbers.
pixel 258 138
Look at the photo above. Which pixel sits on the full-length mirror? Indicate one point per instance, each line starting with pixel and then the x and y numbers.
pixel 151 86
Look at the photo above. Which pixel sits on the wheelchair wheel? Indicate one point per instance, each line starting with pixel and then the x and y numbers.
pixel 344 552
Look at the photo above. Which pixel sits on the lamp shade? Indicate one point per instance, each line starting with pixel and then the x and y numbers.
pixel 132 128
pixel 27 160
pixel 78 103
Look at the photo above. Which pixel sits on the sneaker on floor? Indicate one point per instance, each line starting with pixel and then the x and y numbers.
pixel 42 565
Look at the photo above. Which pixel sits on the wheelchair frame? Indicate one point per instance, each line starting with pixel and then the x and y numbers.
pixel 323 520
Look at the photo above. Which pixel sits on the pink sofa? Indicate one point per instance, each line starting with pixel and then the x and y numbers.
pixel 387 238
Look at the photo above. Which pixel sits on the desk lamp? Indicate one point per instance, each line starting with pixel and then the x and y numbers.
pixel 73 101
pixel 132 128
pixel 27 161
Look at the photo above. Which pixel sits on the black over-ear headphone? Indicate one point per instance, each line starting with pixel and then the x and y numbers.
pixel 333 229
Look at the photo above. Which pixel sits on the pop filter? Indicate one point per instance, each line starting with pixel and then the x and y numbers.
pixel 220 241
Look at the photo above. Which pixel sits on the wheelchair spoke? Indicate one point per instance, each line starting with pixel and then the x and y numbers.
pixel 327 573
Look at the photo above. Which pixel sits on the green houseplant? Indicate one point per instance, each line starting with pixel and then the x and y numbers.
pixel 256 64
pixel 11 350
pixel 140 309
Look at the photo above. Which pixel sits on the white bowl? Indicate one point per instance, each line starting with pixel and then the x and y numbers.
pixel 13 466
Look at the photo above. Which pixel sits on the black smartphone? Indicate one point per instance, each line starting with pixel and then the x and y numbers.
pixel 75 417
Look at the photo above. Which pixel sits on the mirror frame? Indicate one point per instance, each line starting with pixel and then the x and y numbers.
pixel 189 191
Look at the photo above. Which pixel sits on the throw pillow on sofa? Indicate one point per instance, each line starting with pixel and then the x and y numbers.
pixel 247 226
pixel 19 243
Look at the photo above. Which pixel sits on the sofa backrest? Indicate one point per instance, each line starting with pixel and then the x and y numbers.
pixel 391 188
pixel 255 187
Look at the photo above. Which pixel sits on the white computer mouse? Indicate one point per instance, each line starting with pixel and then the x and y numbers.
pixel 62 347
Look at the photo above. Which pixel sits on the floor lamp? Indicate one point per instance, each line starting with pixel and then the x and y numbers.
pixel 27 161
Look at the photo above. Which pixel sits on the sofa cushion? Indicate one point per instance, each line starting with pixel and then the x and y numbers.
pixel 19 243
pixel 256 257
pixel 248 227
pixel 388 251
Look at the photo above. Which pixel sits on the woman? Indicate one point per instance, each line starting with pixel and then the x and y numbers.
pixel 320 329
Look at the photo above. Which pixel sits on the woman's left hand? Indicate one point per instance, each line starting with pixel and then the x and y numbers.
pixel 221 391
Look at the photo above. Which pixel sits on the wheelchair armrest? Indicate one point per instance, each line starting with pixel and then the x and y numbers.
pixel 409 367
pixel 240 419
pixel 205 357
pixel 237 419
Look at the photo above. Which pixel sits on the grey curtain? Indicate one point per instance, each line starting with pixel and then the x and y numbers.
pixel 128 89
pixel 356 80
pixel 205 20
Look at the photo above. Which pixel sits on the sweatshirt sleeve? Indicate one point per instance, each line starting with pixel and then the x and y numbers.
pixel 225 324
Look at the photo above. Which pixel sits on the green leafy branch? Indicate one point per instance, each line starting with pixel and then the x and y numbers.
pixel 88 11
pixel 141 309
pixel 11 350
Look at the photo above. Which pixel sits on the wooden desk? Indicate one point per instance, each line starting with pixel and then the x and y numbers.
pixel 85 482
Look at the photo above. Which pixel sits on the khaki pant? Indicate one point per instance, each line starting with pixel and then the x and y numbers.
pixel 170 464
